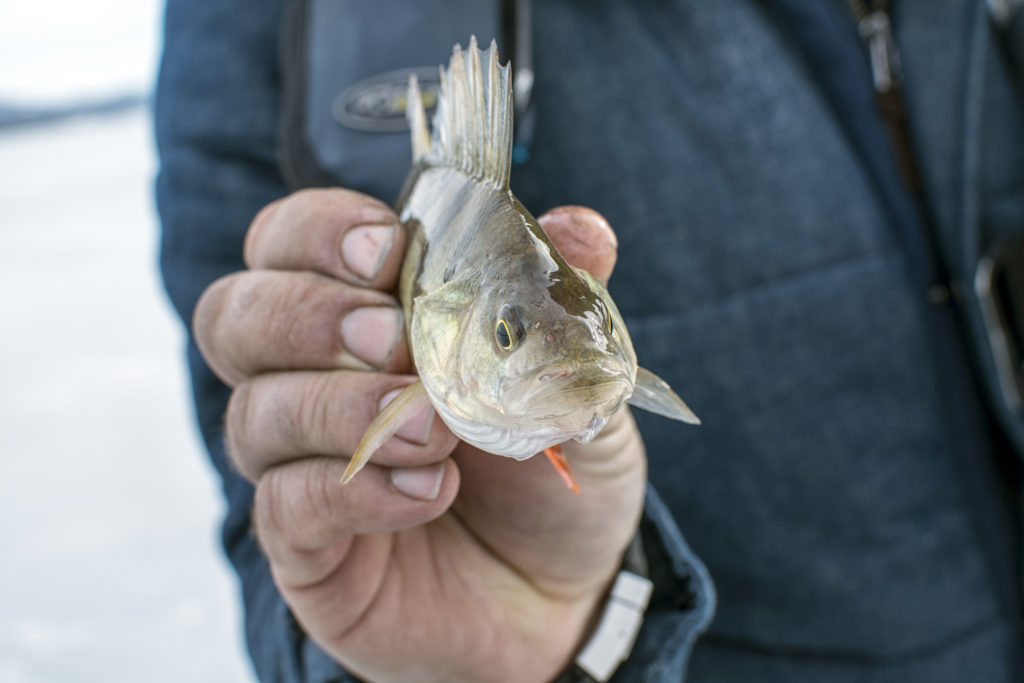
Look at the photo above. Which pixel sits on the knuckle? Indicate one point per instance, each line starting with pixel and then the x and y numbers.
pixel 320 489
pixel 301 231
pixel 295 506
pixel 309 420
pixel 303 319
pixel 266 321
pixel 207 311
pixel 257 228
pixel 355 199
pixel 208 325
pixel 312 207
pixel 325 206
pixel 278 314
pixel 276 415
pixel 269 502
pixel 236 430
pixel 340 208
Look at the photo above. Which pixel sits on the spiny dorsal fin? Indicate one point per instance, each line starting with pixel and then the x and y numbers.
pixel 473 121
pixel 417 117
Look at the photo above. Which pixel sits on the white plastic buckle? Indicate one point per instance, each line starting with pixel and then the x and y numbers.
pixel 613 640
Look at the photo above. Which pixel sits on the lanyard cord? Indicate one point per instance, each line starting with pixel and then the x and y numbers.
pixel 875 28
pixel 517 35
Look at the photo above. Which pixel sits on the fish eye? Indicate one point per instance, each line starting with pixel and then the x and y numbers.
pixel 508 330
pixel 503 335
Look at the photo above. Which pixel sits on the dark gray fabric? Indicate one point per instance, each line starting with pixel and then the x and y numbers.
pixel 964 657
pixel 765 284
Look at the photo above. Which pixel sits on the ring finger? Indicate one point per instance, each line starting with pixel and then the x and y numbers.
pixel 279 417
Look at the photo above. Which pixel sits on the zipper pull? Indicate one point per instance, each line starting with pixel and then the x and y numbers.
pixel 876 31
pixel 887 76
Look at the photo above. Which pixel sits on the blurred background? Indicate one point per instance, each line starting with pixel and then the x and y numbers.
pixel 111 567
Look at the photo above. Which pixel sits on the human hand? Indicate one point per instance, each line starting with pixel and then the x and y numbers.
pixel 438 562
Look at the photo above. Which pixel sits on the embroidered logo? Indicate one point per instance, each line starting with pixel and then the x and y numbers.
pixel 377 104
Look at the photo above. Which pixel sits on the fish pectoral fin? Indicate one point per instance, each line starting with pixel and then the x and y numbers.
pixel 437 318
pixel 653 394
pixel 453 296
pixel 385 425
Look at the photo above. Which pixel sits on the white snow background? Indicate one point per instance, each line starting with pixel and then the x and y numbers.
pixel 111 568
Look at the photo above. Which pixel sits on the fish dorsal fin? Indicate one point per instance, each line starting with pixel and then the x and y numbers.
pixel 417 117
pixel 473 121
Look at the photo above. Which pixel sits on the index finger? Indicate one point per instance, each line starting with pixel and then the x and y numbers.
pixel 583 237
pixel 337 232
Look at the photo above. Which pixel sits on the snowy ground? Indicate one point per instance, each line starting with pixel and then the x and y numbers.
pixel 64 51
pixel 108 512
pixel 111 569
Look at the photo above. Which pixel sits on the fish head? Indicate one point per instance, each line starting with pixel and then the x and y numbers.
pixel 523 352
pixel 550 356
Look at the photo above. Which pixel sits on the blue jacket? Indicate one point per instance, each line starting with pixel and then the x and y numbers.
pixel 852 488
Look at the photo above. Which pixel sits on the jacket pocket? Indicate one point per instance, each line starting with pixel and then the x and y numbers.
pixel 345 66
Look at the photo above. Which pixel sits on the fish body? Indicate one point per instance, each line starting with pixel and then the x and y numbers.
pixel 516 350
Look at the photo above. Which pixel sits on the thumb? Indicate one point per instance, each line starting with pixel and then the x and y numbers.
pixel 583 237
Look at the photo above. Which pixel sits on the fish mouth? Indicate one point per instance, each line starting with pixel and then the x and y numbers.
pixel 568 397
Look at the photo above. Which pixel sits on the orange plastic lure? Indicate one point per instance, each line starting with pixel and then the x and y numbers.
pixel 557 459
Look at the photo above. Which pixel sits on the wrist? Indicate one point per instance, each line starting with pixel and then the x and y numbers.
pixel 616 623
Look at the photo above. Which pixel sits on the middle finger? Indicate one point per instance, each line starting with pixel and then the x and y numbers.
pixel 251 322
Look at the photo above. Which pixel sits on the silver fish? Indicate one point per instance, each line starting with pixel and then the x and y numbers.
pixel 516 350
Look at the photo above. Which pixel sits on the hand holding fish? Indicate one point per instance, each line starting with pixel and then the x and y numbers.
pixel 439 561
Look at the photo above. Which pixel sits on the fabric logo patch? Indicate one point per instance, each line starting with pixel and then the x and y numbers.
pixel 377 104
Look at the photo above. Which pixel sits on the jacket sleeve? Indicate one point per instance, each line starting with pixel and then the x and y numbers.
pixel 682 603
pixel 216 124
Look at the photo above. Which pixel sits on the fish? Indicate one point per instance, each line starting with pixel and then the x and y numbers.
pixel 516 350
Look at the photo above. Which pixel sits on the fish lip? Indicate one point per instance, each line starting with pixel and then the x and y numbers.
pixel 612 366
pixel 551 390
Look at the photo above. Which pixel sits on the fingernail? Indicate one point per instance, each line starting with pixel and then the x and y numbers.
pixel 364 248
pixel 419 482
pixel 371 333
pixel 417 428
